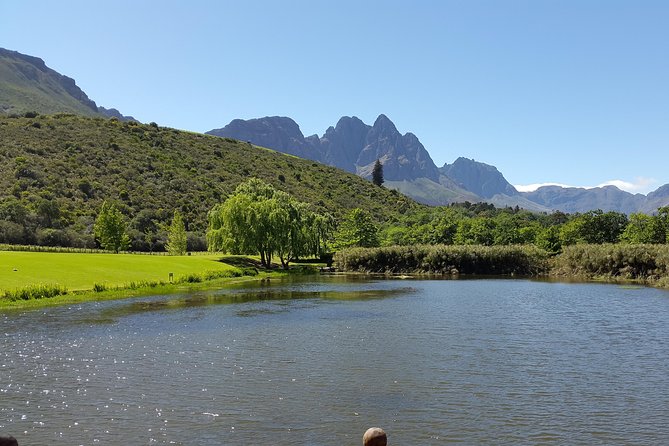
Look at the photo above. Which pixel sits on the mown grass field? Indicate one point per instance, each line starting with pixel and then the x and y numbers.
pixel 79 271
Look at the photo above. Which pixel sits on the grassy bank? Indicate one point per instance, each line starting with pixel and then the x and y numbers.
pixel 77 271
pixel 74 297
pixel 35 279
pixel 444 259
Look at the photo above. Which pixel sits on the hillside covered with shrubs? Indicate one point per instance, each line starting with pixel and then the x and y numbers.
pixel 56 171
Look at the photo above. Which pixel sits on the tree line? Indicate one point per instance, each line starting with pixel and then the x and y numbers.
pixel 483 224
pixel 260 220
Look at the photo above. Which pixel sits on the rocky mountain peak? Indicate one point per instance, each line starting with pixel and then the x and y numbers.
pixel 384 123
pixel 403 156
pixel 351 145
pixel 273 132
pixel 482 179
pixel 340 145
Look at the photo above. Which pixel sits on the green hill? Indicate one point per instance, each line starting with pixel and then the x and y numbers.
pixel 55 172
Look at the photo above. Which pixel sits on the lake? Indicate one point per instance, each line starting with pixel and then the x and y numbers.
pixel 318 360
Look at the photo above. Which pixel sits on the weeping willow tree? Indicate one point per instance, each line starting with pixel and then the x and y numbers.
pixel 258 219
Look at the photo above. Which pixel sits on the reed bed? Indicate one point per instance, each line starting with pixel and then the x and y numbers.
pixel 40 291
pixel 445 259
pixel 649 263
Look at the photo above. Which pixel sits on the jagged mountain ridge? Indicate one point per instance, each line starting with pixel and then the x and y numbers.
pixel 28 84
pixel 354 146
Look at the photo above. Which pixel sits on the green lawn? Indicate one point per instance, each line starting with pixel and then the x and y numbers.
pixel 78 271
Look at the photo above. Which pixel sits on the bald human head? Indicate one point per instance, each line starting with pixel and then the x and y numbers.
pixel 8 441
pixel 375 436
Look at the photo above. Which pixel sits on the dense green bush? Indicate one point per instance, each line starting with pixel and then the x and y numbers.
pixel 445 259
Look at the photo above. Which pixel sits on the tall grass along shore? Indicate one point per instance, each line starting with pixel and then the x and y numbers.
pixel 647 264
pixel 615 262
pixel 445 259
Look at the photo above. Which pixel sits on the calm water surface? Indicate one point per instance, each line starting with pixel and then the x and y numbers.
pixel 317 362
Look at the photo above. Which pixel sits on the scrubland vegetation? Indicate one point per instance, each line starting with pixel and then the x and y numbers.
pixel 56 171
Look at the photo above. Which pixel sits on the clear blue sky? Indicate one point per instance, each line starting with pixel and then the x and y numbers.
pixel 567 91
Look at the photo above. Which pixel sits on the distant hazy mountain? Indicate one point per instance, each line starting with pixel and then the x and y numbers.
pixel 27 84
pixel 113 113
pixel 488 183
pixel 656 199
pixel 574 199
pixel 606 198
pixel 355 146
pixel 482 179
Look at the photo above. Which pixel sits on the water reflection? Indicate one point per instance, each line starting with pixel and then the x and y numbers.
pixel 280 296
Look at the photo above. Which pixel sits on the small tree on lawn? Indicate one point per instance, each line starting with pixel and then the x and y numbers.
pixel 177 241
pixel 377 173
pixel 110 229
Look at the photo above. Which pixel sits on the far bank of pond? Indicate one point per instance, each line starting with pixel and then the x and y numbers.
pixel 37 279
pixel 646 264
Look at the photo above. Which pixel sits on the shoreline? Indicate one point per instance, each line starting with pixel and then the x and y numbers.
pixel 128 292
pixel 635 265
pixel 79 296
pixel 547 277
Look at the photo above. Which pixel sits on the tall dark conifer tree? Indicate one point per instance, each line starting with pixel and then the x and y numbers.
pixel 377 173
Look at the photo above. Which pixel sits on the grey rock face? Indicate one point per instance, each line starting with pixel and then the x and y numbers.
pixel 273 132
pixel 656 199
pixel 352 145
pixel 403 156
pixel 482 179
pixel 341 145
pixel 355 146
